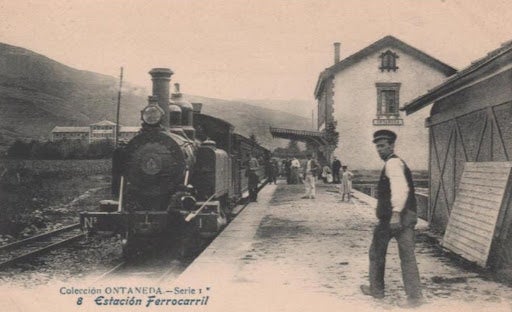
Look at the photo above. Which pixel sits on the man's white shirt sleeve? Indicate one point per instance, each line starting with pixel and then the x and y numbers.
pixel 397 183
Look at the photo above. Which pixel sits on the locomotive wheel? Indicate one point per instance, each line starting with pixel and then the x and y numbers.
pixel 132 247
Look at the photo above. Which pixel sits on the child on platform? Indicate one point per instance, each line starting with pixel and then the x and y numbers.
pixel 346 183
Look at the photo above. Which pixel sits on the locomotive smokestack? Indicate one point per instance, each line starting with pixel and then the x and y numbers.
pixel 152 100
pixel 161 78
pixel 336 52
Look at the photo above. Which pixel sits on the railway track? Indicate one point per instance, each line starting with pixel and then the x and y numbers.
pixel 32 247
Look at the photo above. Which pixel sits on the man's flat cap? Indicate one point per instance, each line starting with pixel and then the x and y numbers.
pixel 384 134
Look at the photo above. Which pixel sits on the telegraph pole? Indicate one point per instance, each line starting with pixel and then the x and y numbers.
pixel 118 107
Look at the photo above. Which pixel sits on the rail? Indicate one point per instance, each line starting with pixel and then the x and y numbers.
pixel 34 246
pixel 39 237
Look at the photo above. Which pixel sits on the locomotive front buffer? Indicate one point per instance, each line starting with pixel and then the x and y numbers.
pixel 207 218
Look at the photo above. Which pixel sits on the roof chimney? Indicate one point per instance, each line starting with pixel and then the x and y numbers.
pixel 336 52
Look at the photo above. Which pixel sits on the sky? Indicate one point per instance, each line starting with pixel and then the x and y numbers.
pixel 264 49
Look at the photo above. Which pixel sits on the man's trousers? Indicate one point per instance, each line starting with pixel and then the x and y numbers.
pixel 382 234
pixel 310 184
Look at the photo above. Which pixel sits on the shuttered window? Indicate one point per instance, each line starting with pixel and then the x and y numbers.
pixel 388 61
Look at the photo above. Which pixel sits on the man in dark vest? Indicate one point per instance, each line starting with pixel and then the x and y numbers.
pixel 396 211
pixel 253 178
pixel 336 166
pixel 287 169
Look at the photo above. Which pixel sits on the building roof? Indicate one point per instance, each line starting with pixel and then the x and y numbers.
pixel 104 123
pixel 129 129
pixel 314 137
pixel 375 47
pixel 493 61
pixel 58 129
pixel 70 129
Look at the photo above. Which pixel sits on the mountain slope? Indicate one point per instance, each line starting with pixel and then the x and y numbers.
pixel 249 119
pixel 37 93
pixel 296 107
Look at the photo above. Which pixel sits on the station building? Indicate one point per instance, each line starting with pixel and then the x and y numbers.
pixel 364 92
pixel 103 130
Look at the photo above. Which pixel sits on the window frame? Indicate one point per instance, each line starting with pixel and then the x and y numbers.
pixel 381 88
pixel 388 61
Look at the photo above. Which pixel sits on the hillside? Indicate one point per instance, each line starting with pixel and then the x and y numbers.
pixel 298 107
pixel 37 93
pixel 250 119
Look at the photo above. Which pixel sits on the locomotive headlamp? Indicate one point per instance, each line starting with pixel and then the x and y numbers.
pixel 152 115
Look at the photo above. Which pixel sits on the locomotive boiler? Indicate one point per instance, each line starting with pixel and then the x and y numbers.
pixel 178 179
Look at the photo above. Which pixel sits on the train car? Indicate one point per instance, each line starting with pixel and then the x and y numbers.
pixel 178 179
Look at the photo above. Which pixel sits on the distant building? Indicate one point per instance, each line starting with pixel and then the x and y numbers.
pixel 70 133
pixel 364 92
pixel 103 130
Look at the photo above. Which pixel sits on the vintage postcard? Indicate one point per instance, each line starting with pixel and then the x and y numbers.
pixel 274 155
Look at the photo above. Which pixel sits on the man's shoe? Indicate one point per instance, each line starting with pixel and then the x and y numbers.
pixel 312 197
pixel 367 291
pixel 411 303
pixel 304 197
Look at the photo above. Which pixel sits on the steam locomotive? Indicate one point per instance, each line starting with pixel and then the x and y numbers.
pixel 178 179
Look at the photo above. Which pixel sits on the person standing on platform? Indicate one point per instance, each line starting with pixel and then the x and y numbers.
pixel 396 211
pixel 346 184
pixel 268 170
pixel 275 168
pixel 310 173
pixel 326 174
pixel 273 171
pixel 288 170
pixel 253 178
pixel 295 171
pixel 336 165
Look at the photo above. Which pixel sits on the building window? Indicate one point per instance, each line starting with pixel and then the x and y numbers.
pixel 388 104
pixel 388 61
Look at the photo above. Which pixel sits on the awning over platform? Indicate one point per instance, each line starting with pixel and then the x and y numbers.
pixel 313 137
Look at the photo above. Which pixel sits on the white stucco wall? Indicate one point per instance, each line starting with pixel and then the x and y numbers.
pixel 355 107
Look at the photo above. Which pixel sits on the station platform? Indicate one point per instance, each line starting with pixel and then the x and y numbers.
pixel 285 253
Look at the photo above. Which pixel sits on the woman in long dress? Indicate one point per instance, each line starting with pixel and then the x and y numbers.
pixel 346 184
pixel 326 174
